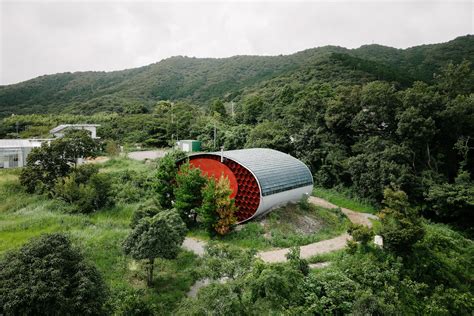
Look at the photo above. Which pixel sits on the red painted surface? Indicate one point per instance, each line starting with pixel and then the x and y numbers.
pixel 244 185
pixel 216 169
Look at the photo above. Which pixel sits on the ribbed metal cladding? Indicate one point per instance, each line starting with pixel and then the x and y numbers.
pixel 275 171
pixel 265 178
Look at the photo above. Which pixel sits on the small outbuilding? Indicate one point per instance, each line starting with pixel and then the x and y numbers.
pixel 189 145
pixel 13 152
pixel 261 179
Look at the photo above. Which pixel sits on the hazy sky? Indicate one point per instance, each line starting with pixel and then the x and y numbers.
pixel 45 37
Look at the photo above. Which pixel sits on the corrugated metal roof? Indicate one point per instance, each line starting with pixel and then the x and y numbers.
pixel 19 143
pixel 275 171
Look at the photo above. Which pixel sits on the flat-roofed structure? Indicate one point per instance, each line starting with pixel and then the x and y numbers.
pixel 59 130
pixel 13 152
pixel 261 179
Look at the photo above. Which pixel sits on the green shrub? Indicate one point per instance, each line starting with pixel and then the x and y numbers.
pixel 361 233
pixel 149 208
pixel 84 188
pixel 48 276
pixel 130 186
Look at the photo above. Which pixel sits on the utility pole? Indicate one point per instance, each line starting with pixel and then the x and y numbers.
pixel 215 134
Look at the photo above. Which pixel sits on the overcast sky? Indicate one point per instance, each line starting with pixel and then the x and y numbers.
pixel 46 37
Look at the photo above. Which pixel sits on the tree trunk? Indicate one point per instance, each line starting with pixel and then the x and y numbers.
pixel 149 280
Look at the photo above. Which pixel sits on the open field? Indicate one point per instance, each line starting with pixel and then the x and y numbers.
pixel 99 235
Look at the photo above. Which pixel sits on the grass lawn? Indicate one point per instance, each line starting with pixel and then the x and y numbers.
pixel 343 198
pixel 285 227
pixel 99 236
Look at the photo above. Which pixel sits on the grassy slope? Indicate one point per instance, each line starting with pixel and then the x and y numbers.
pixel 281 228
pixel 99 235
pixel 344 199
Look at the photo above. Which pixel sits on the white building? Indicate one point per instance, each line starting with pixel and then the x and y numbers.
pixel 59 131
pixel 13 152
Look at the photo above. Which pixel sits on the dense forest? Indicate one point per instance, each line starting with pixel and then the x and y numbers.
pixel 391 127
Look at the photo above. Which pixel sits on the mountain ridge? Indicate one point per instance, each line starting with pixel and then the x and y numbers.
pixel 200 80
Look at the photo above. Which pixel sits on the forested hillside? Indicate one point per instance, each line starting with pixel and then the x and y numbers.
pixel 199 80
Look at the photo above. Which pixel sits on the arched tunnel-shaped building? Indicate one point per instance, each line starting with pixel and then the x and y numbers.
pixel 260 179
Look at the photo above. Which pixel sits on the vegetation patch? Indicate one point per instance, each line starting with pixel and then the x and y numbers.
pixel 288 226
pixel 99 235
pixel 345 198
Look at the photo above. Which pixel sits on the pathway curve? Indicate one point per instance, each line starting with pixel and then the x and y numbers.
pixel 307 251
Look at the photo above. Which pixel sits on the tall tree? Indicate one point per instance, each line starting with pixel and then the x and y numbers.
pixel 188 192
pixel 401 226
pixel 218 209
pixel 165 178
pixel 217 106
pixel 158 237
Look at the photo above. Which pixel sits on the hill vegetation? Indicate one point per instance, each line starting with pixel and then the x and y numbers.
pixel 383 130
pixel 200 80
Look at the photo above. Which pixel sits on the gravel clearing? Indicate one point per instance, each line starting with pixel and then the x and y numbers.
pixel 147 154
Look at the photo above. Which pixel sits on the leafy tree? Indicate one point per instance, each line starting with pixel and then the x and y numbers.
pixel 48 276
pixel 293 256
pixel 225 261
pixel 214 299
pixel 165 178
pixel 235 137
pixel 269 135
pixel 76 144
pixel 158 237
pixel 380 164
pixel 85 188
pixel 361 233
pixel 329 293
pixel 52 161
pixel 217 212
pixel 252 110
pixel 274 286
pixel 379 104
pixel 453 201
pixel 188 192
pixel 455 79
pixel 147 209
pixel 217 106
pixel 401 227
pixel 44 165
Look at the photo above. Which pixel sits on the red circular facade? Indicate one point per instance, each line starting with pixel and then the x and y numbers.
pixel 216 169
pixel 245 189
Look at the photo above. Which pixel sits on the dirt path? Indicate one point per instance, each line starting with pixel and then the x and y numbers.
pixel 194 245
pixel 147 154
pixel 307 251
pixel 355 217
pixel 321 246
